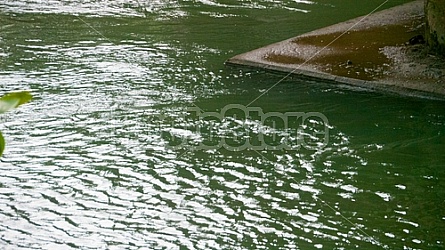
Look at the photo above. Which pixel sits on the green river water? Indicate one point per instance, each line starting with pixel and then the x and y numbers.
pixel 138 136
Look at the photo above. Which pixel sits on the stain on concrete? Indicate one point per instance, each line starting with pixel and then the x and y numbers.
pixel 358 53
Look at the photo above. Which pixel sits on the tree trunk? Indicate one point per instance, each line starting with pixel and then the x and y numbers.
pixel 435 25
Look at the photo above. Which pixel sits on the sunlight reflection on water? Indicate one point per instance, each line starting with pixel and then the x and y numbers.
pixel 89 157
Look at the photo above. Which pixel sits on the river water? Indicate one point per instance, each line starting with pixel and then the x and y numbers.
pixel 138 136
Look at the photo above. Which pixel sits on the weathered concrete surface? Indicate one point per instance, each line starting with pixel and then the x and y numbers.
pixel 372 52
pixel 435 25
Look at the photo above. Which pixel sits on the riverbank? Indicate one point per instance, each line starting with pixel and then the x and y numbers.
pixel 381 52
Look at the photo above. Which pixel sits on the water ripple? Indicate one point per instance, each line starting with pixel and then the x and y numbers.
pixel 163 9
pixel 89 163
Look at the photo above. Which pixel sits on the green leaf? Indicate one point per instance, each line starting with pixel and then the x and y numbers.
pixel 2 143
pixel 13 100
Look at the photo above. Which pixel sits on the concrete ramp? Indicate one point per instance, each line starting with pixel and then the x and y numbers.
pixel 384 51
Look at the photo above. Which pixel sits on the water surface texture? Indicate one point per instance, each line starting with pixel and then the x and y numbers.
pixel 109 153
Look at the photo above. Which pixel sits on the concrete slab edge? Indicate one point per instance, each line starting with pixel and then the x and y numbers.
pixel 339 81
pixel 254 59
